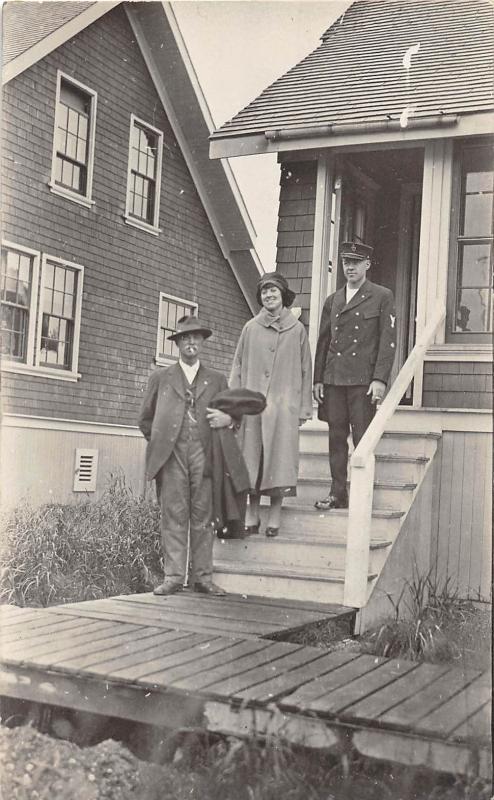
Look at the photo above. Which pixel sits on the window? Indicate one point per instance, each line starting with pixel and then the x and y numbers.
pixel 171 309
pixel 144 176
pixel 73 145
pixel 19 274
pixel 470 288
pixel 41 315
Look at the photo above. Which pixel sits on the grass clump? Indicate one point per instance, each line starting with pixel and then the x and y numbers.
pixel 60 553
pixel 432 624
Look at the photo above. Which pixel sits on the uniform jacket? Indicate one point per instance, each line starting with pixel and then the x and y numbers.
pixel 273 357
pixel 163 408
pixel 357 341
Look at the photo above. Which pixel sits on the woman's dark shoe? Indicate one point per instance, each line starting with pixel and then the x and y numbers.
pixel 271 532
pixel 249 530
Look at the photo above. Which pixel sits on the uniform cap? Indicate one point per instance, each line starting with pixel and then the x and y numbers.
pixel 356 250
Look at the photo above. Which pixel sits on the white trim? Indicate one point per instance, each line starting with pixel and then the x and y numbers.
pixel 469 124
pixel 136 221
pixel 434 241
pixel 166 361
pixel 460 352
pixel 428 420
pixel 64 191
pixel 321 250
pixel 41 372
pixel 72 373
pixel 69 425
pixel 11 366
pixel 55 39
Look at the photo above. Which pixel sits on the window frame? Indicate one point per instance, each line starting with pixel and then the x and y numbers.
pixel 166 361
pixel 72 372
pixel 33 302
pixel 64 191
pixel 135 222
pixel 453 337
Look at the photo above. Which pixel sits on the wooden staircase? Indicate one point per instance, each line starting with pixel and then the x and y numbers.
pixel 307 560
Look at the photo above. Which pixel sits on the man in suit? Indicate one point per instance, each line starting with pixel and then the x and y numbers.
pixel 354 356
pixel 176 421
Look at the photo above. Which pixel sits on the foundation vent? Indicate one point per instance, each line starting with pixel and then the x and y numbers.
pixel 86 470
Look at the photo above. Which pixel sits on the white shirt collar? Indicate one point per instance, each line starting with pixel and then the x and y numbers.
pixel 351 293
pixel 190 371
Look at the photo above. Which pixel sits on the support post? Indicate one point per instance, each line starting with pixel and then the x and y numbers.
pixel 320 253
pixel 359 533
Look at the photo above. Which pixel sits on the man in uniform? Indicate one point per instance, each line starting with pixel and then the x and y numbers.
pixel 354 356
pixel 176 421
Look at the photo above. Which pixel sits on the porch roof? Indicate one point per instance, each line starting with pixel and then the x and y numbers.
pixel 358 75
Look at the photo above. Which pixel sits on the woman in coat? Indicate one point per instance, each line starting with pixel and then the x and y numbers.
pixel 273 357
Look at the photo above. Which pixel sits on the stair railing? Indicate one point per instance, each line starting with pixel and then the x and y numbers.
pixel 362 471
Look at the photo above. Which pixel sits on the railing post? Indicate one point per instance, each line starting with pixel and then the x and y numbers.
pixel 359 533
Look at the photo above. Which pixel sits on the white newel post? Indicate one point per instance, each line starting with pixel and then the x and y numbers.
pixel 320 252
pixel 359 533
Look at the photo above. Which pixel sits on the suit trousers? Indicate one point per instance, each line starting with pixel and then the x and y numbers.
pixel 346 407
pixel 185 496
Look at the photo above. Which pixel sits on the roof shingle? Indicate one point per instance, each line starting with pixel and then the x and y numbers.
pixel 357 73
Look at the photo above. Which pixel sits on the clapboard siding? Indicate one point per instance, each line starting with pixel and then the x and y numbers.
pixel 461 544
pixel 125 269
pixel 296 229
pixel 457 384
pixel 49 476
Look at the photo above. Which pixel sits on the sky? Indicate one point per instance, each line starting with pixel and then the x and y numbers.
pixel 238 48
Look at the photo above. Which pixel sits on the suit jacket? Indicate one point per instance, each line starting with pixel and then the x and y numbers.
pixel 357 341
pixel 163 409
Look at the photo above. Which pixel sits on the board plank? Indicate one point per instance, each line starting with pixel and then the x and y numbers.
pixel 180 652
pixel 353 690
pixel 52 642
pixel 304 697
pixel 406 714
pixel 231 687
pixel 10 620
pixel 37 623
pixel 276 687
pixel 28 636
pixel 277 618
pixel 477 727
pixel 372 707
pixel 234 650
pixel 457 709
pixel 224 672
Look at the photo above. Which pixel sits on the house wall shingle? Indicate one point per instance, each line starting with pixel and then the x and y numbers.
pixel 125 268
pixel 463 384
pixel 296 229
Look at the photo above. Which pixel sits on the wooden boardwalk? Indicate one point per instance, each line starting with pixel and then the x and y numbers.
pixel 189 660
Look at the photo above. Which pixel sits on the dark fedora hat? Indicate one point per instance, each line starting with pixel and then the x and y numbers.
pixel 356 250
pixel 190 324
pixel 279 280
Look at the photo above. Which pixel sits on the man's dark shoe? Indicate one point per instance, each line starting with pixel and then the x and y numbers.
pixel 331 502
pixel 251 530
pixel 167 588
pixel 209 588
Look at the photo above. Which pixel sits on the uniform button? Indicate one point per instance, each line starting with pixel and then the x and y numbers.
pixel 272 349
pixel 266 374
pixel 354 354
pixel 337 328
pixel 355 340
pixel 338 354
pixel 337 316
pixel 356 327
pixel 356 313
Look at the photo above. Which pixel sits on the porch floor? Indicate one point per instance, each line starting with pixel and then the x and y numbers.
pixel 154 660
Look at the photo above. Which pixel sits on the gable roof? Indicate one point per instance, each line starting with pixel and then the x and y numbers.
pixel 357 76
pixel 33 31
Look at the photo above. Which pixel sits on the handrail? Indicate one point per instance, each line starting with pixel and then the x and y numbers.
pixel 362 471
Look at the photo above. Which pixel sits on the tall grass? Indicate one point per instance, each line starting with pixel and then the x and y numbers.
pixel 66 553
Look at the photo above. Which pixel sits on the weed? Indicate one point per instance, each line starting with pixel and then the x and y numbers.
pixel 66 553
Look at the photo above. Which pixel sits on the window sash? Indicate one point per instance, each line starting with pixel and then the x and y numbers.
pixel 470 301
pixel 144 175
pixel 19 269
pixel 171 309
pixel 73 139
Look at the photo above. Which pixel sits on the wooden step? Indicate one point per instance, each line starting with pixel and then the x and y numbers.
pixel 388 467
pixel 308 521
pixel 395 495
pixel 292 550
pixel 397 442
pixel 307 584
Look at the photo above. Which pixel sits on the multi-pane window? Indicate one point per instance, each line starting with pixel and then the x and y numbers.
pixel 15 292
pixel 74 139
pixel 143 187
pixel 471 311
pixel 171 310
pixel 58 315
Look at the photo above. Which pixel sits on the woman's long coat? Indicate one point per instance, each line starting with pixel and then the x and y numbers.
pixel 273 357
